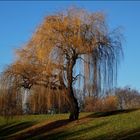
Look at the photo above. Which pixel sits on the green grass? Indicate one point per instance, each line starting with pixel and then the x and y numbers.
pixel 90 126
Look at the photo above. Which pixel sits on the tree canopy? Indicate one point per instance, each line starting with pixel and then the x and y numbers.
pixel 61 40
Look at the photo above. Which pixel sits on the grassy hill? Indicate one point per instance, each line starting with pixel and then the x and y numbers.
pixel 91 126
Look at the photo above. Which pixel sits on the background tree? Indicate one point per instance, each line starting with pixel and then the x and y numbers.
pixel 128 98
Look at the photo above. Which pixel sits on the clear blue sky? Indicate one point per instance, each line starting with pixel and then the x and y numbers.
pixel 18 21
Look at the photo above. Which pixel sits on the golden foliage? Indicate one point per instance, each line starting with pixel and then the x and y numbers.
pixel 49 58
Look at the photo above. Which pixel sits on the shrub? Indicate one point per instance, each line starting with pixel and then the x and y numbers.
pixel 108 103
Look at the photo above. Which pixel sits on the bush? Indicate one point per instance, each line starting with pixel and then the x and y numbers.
pixel 109 103
pixel 89 104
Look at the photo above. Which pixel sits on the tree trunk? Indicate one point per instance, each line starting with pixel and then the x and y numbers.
pixel 74 109
pixel 25 102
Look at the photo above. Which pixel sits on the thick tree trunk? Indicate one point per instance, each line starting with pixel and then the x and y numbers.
pixel 74 109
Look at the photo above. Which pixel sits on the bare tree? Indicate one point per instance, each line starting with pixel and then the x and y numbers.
pixel 128 98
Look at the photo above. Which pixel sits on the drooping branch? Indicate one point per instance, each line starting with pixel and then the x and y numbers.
pixel 50 56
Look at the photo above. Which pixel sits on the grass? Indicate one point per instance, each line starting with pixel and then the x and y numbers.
pixel 114 125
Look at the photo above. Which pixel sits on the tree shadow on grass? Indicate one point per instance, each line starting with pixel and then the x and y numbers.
pixel 62 135
pixel 78 135
pixel 110 113
pixel 9 129
pixel 132 135
pixel 40 130
pixel 126 135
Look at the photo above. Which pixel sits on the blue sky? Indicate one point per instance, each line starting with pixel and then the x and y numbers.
pixel 18 21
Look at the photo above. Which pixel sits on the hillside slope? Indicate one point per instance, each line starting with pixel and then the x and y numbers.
pixel 90 126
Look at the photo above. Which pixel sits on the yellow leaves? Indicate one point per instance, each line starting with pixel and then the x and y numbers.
pixel 66 31
pixel 41 54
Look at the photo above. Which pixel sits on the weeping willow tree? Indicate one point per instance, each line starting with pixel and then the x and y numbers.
pixel 11 103
pixel 100 67
pixel 53 52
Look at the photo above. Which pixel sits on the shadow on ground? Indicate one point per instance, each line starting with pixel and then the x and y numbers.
pixel 79 134
pixel 62 135
pixel 132 135
pixel 40 132
pixel 9 129
pixel 110 113
pixel 129 135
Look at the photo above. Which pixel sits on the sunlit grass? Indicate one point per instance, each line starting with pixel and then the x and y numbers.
pixel 122 125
